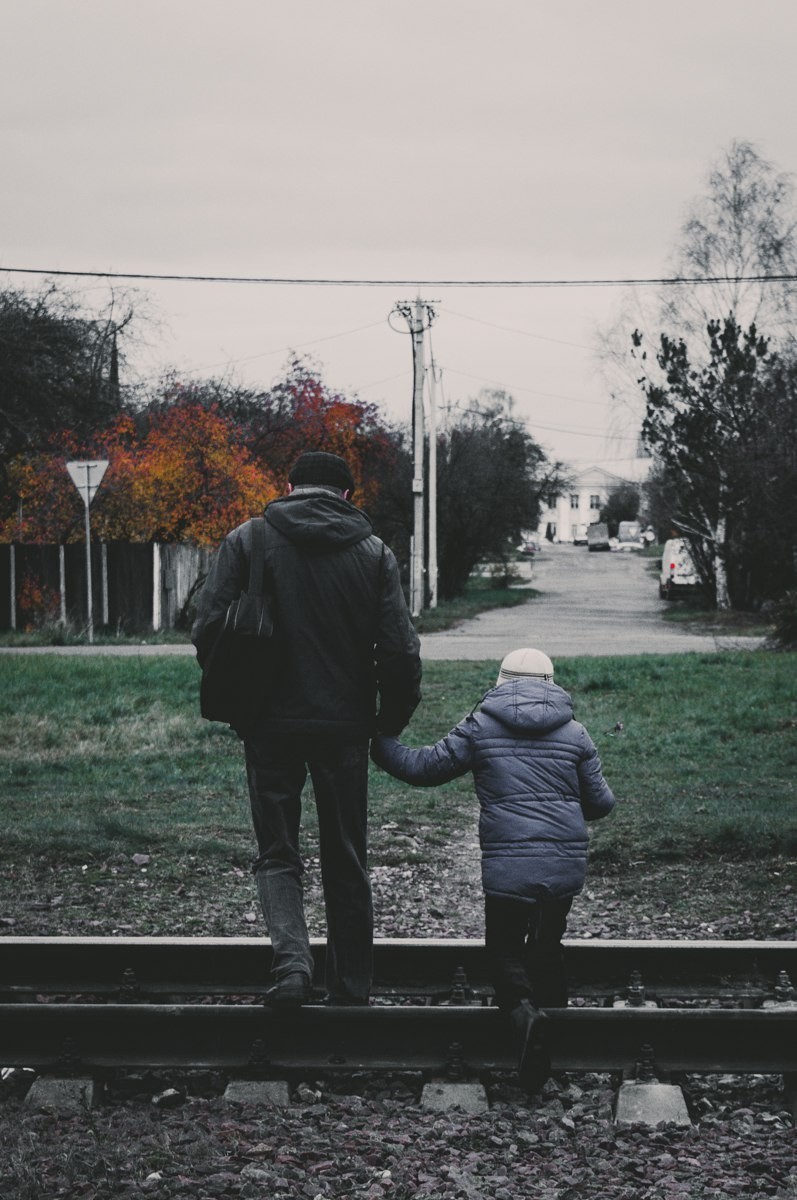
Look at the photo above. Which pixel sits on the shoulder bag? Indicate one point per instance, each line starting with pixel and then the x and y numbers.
pixel 235 674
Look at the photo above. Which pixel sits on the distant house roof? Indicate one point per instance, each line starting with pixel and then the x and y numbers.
pixel 612 474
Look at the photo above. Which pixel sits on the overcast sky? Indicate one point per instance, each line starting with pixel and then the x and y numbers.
pixel 365 140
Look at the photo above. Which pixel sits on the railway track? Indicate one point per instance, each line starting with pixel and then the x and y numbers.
pixel 93 1004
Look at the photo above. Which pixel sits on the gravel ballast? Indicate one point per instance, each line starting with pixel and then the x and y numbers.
pixel 365 1138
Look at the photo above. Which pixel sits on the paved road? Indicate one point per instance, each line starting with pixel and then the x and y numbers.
pixel 589 603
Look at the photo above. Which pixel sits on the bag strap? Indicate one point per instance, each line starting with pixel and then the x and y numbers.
pixel 258 559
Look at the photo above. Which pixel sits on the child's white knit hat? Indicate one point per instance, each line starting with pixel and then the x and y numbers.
pixel 526 662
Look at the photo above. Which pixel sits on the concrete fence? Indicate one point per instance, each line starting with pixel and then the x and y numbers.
pixel 135 587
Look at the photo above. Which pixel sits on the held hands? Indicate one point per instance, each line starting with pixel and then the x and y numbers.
pixel 381 742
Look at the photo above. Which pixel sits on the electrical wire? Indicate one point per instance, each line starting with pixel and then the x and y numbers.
pixel 524 332
pixel 483 283
pixel 508 387
pixel 535 425
pixel 295 281
pixel 231 362
pixel 387 379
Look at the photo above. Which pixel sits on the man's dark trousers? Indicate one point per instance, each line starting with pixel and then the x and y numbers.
pixel 277 766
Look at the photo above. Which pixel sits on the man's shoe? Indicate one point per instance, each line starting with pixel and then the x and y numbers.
pixel 534 1059
pixel 291 991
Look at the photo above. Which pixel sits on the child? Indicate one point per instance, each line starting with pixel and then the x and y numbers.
pixel 538 778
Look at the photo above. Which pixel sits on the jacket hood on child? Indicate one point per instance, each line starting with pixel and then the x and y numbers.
pixel 529 704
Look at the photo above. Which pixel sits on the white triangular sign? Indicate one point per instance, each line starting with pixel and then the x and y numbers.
pixel 87 476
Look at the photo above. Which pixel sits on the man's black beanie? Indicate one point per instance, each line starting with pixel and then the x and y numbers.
pixel 316 466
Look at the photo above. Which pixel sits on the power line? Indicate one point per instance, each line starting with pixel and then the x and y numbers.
pixel 535 425
pixel 508 387
pixel 386 379
pixel 330 337
pixel 291 281
pixel 524 332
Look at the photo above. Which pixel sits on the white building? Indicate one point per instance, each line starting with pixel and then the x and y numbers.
pixel 567 516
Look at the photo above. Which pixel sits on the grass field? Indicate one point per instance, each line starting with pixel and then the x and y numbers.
pixel 104 756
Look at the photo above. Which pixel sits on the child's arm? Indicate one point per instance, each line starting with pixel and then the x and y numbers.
pixel 426 766
pixel 597 798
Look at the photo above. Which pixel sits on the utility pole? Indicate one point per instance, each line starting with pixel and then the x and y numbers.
pixel 418 540
pixel 432 483
pixel 419 317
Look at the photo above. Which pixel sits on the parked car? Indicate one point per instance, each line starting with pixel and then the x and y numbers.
pixel 678 576
pixel 598 536
pixel 529 546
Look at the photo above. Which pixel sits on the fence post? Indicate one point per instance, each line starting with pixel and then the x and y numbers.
pixel 156 587
pixel 104 562
pixel 13 575
pixel 62 580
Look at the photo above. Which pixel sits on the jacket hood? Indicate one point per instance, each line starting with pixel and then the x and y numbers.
pixel 318 520
pixel 529 705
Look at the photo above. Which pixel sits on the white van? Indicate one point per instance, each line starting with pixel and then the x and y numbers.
pixel 678 575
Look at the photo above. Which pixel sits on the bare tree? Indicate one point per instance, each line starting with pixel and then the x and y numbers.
pixel 741 232
pixel 742 228
pixel 59 365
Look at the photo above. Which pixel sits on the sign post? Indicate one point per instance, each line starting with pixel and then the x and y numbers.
pixel 87 477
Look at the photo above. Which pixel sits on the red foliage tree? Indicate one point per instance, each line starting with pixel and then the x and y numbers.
pixel 301 413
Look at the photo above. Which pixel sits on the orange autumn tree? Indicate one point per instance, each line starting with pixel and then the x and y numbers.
pixel 180 473
pixel 42 504
pixel 195 480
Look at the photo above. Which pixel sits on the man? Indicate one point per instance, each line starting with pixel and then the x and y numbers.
pixel 342 638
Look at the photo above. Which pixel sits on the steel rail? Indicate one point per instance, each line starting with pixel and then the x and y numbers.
pixel 251 1040
pixel 163 968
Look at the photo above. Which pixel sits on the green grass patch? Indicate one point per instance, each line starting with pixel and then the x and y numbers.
pixel 54 633
pixel 479 596
pixel 102 756
pixel 699 617
pixel 705 760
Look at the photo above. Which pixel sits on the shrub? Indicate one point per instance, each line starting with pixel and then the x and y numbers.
pixel 784 612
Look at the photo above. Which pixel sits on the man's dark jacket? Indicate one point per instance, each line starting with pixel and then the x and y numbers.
pixel 342 632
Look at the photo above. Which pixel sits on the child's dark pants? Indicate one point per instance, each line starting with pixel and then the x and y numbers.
pixel 524 950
